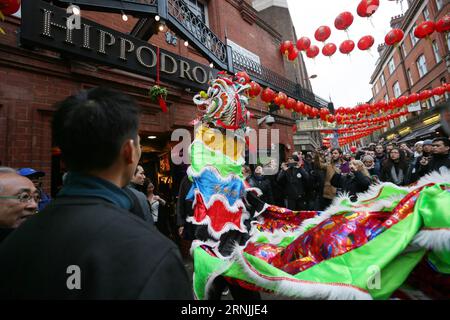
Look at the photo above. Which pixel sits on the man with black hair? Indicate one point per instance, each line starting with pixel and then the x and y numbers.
pixel 439 159
pixel 337 165
pixel 295 181
pixel 86 244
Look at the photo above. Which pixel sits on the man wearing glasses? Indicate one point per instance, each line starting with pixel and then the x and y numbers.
pixel 18 200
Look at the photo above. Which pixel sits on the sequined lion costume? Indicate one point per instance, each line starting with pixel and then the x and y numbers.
pixel 393 242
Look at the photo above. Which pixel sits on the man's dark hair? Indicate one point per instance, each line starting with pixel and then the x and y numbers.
pixel 446 141
pixel 91 126
pixel 338 150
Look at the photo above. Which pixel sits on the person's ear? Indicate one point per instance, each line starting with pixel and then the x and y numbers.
pixel 128 151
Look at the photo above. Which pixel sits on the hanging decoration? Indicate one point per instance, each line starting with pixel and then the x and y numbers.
pixel 255 89
pixel 286 47
pixel 347 46
pixel 366 8
pixel 293 54
pixel 443 24
pixel 268 95
pixel 329 49
pixel 281 99
pixel 322 33
pixel 303 43
pixel 394 37
pixel 312 52
pixel 343 21
pixel 9 7
pixel 366 42
pixel 159 95
pixel 290 104
pixel 424 29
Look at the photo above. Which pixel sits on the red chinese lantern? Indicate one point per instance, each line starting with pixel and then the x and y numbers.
pixel 401 101
pixel 307 110
pixel 324 111
pixel 293 54
pixel 286 47
pixel 244 76
pixel 255 89
pixel 300 107
pixel 365 43
pixel 331 118
pixel 294 128
pixel 329 49
pixel 9 7
pixel 353 149
pixel 394 36
pixel 439 91
pixel 426 94
pixel 303 43
pixel 343 21
pixel 367 8
pixel 312 52
pixel 322 33
pixel 314 112
pixel 414 97
pixel 443 24
pixel 267 95
pixel 347 46
pixel 281 99
pixel 424 29
pixel 290 104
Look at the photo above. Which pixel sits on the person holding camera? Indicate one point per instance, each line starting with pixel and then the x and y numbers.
pixel 294 179
pixel 357 181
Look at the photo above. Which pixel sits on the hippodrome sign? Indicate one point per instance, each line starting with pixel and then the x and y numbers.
pixel 44 25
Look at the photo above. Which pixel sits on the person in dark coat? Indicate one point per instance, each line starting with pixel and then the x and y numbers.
pixel 263 184
pixel 395 168
pixel 294 179
pixel 86 244
pixel 357 181
pixel 440 158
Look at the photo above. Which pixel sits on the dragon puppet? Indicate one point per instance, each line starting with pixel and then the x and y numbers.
pixel 394 242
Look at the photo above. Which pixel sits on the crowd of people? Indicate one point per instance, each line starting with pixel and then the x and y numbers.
pixel 105 218
pixel 311 181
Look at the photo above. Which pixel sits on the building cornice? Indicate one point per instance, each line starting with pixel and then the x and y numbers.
pixel 250 15
pixel 260 5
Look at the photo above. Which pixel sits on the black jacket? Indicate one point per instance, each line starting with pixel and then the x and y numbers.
pixel 295 182
pixel 351 183
pixel 437 162
pixel 119 255
pixel 265 186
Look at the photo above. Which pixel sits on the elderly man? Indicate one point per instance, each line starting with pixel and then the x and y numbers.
pixel 18 200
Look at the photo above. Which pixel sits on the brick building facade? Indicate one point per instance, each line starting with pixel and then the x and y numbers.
pixel 33 79
pixel 415 65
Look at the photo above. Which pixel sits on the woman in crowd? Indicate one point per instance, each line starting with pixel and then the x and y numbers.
pixel 395 168
pixel 261 182
pixel 356 182
pixel 154 201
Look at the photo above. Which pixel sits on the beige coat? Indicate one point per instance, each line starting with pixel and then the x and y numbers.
pixel 329 192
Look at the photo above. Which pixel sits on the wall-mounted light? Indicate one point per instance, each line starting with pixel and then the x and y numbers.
pixel 161 26
pixel 157 18
pixel 186 43
pixel 211 65
pixel 405 131
pixel 124 16
pixel 152 137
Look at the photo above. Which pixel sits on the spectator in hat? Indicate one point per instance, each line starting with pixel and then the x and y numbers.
pixel 36 178
pixel 18 200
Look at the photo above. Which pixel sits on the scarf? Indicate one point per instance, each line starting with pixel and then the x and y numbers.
pixel 397 178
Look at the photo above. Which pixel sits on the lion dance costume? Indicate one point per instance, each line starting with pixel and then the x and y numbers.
pixel 393 242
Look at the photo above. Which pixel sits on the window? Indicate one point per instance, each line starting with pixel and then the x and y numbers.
pixel 396 89
pixel 413 38
pixel 377 88
pixel 404 49
pixel 422 66
pixel 448 40
pixel 426 14
pixel 439 4
pixel 411 82
pixel 391 123
pixel 391 66
pixel 437 55
pixel 383 82
pixel 199 9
